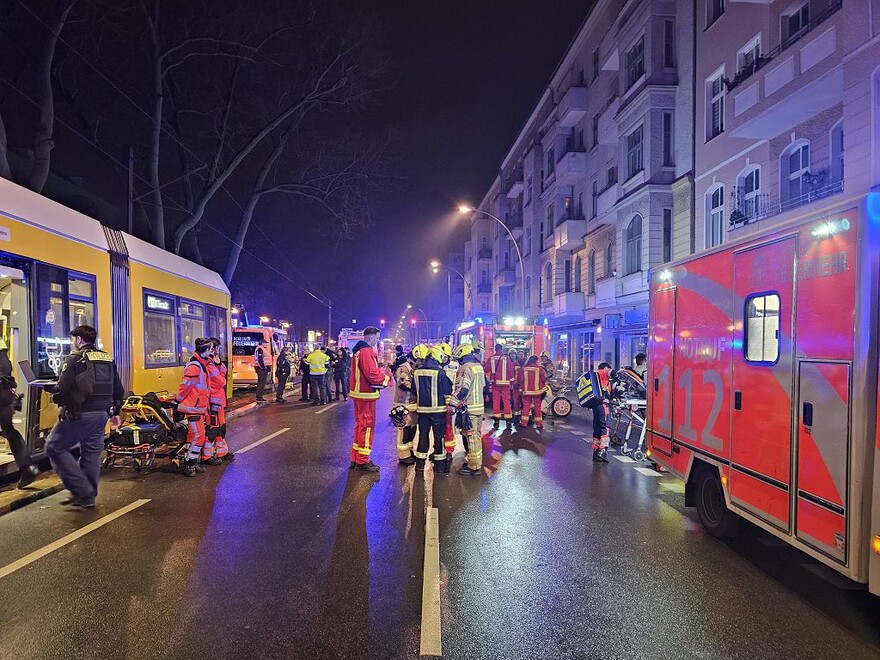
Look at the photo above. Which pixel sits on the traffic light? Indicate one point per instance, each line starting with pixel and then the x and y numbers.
pixel 381 323
pixel 412 322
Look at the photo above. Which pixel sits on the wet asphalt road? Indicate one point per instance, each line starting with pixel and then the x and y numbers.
pixel 284 553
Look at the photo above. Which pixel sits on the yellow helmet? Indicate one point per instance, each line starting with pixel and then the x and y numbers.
pixel 545 354
pixel 461 350
pixel 3 345
pixel 478 345
pixel 420 352
pixel 437 353
pixel 446 348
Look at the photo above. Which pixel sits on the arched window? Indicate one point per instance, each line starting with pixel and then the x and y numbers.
pixel 528 292
pixel 837 152
pixel 548 282
pixel 794 171
pixel 715 216
pixel 577 274
pixel 591 273
pixel 609 260
pixel 633 258
pixel 748 193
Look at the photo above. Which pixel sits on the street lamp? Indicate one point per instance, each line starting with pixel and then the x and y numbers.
pixel 264 319
pixel 522 269
pixel 436 266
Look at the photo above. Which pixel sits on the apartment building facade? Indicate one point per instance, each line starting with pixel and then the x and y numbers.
pixel 586 189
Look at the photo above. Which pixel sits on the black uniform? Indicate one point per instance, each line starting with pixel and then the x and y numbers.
pixel 431 386
pixel 8 398
pixel 262 371
pixel 282 373
pixel 305 369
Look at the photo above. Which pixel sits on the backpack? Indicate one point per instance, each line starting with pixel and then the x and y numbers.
pixel 589 390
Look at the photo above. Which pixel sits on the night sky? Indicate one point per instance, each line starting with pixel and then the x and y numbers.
pixel 469 74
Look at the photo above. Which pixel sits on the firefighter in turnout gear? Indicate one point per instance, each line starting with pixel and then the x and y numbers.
pixel 404 395
pixel 431 386
pixel 468 391
pixel 533 385
pixel 515 391
pixel 367 378
pixel 215 449
pixel 599 407
pixel 194 401
pixel 500 371
pixel 450 367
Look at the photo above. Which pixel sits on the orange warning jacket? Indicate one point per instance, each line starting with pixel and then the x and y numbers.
pixel 500 370
pixel 533 380
pixel 366 373
pixel 194 393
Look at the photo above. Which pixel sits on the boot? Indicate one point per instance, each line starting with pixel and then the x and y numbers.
pixel 465 470
pixel 228 456
pixel 27 476
pixel 603 455
pixel 496 424
pixel 420 465
pixel 190 467
pixel 409 460
pixel 212 461
pixel 596 458
pixel 368 467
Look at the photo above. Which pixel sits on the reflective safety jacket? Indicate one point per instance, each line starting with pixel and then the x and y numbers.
pixel 318 362
pixel 533 380
pixel 260 358
pixel 403 380
pixel 194 393
pixel 517 371
pixel 367 377
pixel 500 369
pixel 451 370
pixel 431 386
pixel 469 383
pixel 217 382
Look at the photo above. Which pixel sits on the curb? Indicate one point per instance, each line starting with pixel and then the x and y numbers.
pixel 30 498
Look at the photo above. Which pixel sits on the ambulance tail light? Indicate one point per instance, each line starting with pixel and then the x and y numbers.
pixel 877 543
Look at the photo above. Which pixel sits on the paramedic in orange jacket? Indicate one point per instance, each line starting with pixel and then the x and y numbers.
pixel 215 450
pixel 501 372
pixel 193 401
pixel 532 384
pixel 367 378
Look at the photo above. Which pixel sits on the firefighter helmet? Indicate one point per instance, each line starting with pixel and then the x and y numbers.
pixel 437 353
pixel 461 350
pixel 398 415
pixel 446 348
pixel 420 352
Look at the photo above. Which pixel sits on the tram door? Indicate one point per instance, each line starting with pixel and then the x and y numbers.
pixel 15 334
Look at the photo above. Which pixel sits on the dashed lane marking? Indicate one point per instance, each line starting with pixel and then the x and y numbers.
pixel 261 441
pixel 70 538
pixel 430 633
pixel 623 459
pixel 326 408
pixel 648 472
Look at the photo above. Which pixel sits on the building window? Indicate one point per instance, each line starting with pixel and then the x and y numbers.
pixel 715 216
pixel 591 273
pixel 528 190
pixel 548 226
pixel 551 160
pixel 761 340
pixel 579 210
pixel 596 129
pixel 541 238
pixel 749 194
pixel 633 257
pixel 594 208
pixel 528 292
pixel 595 64
pixel 527 244
pixel 548 282
pixel 566 206
pixel 714 9
pixel 669 44
pixel 715 106
pixel 668 160
pixel 609 261
pixel 567 276
pixel 634 156
pixel 577 274
pixel 667 235
pixel 635 63
pixel 794 23
pixel 611 177
pixel 837 152
pixel 796 170
pixel 747 58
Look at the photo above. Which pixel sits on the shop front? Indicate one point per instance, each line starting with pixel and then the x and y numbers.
pixel 575 348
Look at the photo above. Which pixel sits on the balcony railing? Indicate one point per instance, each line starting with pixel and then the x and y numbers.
pixel 758 207
pixel 762 60
pixel 484 253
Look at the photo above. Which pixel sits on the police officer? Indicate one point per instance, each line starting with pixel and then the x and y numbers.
pixel 431 386
pixel 8 398
pixel 305 372
pixel 261 368
pixel 89 391
pixel 318 360
pixel 282 373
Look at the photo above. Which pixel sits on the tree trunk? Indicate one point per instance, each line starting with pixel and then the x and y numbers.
pixel 237 245
pixel 5 172
pixel 43 141
pixel 156 134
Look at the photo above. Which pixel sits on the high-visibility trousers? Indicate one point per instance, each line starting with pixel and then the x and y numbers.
pixel 473 443
pixel 501 398
pixel 529 401
pixel 516 401
pixel 195 436
pixel 449 436
pixel 406 435
pixel 364 429
pixel 431 423
pixel 601 440
pixel 215 440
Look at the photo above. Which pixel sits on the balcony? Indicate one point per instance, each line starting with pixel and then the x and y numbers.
pixel 572 107
pixel 569 232
pixel 608 123
pixel 506 277
pixel 747 72
pixel 606 200
pixel 484 254
pixel 568 304
pixel 606 292
pixel 484 287
pixel 514 185
pixel 571 168
pixel 759 207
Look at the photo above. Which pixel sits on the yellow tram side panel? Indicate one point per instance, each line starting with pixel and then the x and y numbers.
pixel 143 276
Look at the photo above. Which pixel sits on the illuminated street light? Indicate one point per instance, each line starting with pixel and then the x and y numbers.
pixel 264 319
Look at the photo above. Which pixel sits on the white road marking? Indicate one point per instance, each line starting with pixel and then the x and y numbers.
pixel 259 442
pixel 326 408
pixel 623 459
pixel 672 487
pixel 70 538
pixel 430 634
pixel 648 472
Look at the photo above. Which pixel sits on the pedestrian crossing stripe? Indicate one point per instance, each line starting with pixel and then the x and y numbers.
pixel 648 472
pixel 624 459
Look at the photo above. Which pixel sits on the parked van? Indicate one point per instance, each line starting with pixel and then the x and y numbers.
pixel 244 344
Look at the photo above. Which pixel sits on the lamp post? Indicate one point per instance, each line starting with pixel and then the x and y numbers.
pixel 425 316
pixel 522 267
pixel 436 266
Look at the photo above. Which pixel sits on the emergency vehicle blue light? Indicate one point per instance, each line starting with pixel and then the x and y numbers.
pixel 545 321
pixel 830 227
pixel 479 319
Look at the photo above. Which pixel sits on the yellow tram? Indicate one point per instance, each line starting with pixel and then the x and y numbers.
pixel 60 269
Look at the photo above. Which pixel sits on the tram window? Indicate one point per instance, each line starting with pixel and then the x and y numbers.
pixel 761 342
pixel 52 320
pixel 190 329
pixel 160 344
pixel 82 300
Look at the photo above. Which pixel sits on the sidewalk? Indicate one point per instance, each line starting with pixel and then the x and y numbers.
pixel 48 483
